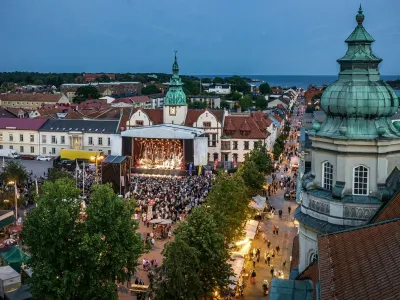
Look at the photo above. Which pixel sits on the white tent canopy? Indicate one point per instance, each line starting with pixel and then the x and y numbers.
pixel 258 202
pixel 164 131
pixel 251 229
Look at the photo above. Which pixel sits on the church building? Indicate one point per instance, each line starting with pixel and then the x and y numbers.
pixel 355 150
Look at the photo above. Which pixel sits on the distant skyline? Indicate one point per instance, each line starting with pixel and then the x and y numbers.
pixel 223 37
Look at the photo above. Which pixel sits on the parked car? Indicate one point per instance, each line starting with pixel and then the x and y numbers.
pixel 27 157
pixel 67 162
pixel 290 195
pixel 43 158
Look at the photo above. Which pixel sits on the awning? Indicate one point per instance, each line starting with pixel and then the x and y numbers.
pixel 251 229
pixel 114 159
pixel 7 221
pixel 258 202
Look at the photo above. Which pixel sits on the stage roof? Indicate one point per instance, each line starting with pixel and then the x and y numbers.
pixel 114 159
pixel 164 131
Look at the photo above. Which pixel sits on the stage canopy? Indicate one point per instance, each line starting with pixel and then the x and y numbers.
pixel 114 159
pixel 164 131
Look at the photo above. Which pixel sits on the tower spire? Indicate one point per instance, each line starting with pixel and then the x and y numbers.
pixel 360 16
pixel 175 66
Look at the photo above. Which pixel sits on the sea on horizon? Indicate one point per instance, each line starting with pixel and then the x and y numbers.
pixel 299 81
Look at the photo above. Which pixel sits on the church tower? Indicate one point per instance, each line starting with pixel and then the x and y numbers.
pixel 355 150
pixel 175 106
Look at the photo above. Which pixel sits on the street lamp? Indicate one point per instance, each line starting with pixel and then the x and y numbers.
pixel 11 183
pixel 97 159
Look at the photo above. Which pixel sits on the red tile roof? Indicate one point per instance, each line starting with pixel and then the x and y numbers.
pixel 192 116
pixel 229 126
pixel 22 124
pixel 363 263
pixel 245 126
pixel 130 100
pixel 240 121
pixel 311 272
pixel 31 97
pixel 390 211
pixel 155 115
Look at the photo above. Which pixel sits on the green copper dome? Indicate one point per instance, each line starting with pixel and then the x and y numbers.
pixel 175 95
pixel 359 104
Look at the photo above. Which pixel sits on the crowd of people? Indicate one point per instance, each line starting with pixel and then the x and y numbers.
pixel 170 198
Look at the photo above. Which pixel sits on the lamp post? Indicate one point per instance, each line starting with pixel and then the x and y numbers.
pixel 10 183
pixel 97 159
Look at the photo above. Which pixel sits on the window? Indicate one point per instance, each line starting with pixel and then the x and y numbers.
pixel 53 139
pixel 206 124
pixel 21 137
pixel 327 175
pixel 11 147
pixel 11 137
pixel 108 141
pixel 360 180
pixel 100 141
pixel 246 145
pixel 255 144
pixel 235 145
pixel 1 137
pixel 44 150
pixel 44 140
pixel 21 149
pixel 90 141
pixel 139 123
pixel 32 149
pixel 214 140
pixel 53 150
pixel 1 146
pixel 225 145
pixel 32 138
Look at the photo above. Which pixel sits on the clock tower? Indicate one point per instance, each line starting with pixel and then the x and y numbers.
pixel 175 106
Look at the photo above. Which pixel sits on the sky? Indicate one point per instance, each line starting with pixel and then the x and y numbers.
pixel 224 37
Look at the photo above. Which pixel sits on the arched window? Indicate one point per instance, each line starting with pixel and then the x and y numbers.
pixel 312 257
pixel 360 180
pixel 327 175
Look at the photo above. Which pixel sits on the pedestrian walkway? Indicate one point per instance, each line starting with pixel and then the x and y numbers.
pixel 287 231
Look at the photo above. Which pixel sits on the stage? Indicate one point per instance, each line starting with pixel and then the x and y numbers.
pixel 166 149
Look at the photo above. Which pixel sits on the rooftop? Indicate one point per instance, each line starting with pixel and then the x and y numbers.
pixel 93 126
pixel 21 124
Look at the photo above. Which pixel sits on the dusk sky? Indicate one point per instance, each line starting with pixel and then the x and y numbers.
pixel 275 37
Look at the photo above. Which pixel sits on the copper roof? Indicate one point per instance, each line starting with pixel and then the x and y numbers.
pixel 362 263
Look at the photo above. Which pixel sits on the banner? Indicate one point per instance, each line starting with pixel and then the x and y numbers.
pixel 3 164
pixel 190 169
pixel 200 169
pixel 215 163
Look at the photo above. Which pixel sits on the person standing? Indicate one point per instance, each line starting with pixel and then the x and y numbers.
pixel 276 230
pixel 289 209
pixel 254 261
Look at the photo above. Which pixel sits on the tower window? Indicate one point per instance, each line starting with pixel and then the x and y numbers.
pixel 360 180
pixel 327 175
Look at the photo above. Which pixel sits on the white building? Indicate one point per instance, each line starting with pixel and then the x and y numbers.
pixel 22 135
pixel 219 89
pixel 212 101
pixel 92 135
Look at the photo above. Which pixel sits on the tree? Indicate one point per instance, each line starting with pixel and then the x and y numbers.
pixel 150 89
pixel 75 256
pixel 206 80
pixel 124 77
pixel 55 174
pixel 14 171
pixel 239 84
pixel 278 149
pixel 261 102
pixel 202 233
pixel 234 96
pixel 85 92
pixel 229 203
pixel 262 159
pixel 246 102
pixel 265 88
pixel 218 80
pixel 141 78
pixel 197 104
pixel 224 104
pixel 178 278
pixel 191 87
pixel 253 179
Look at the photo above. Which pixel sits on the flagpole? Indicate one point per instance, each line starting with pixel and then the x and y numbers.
pixel 16 197
pixel 83 179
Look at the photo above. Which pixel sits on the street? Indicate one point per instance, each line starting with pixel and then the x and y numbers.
pixel 37 168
